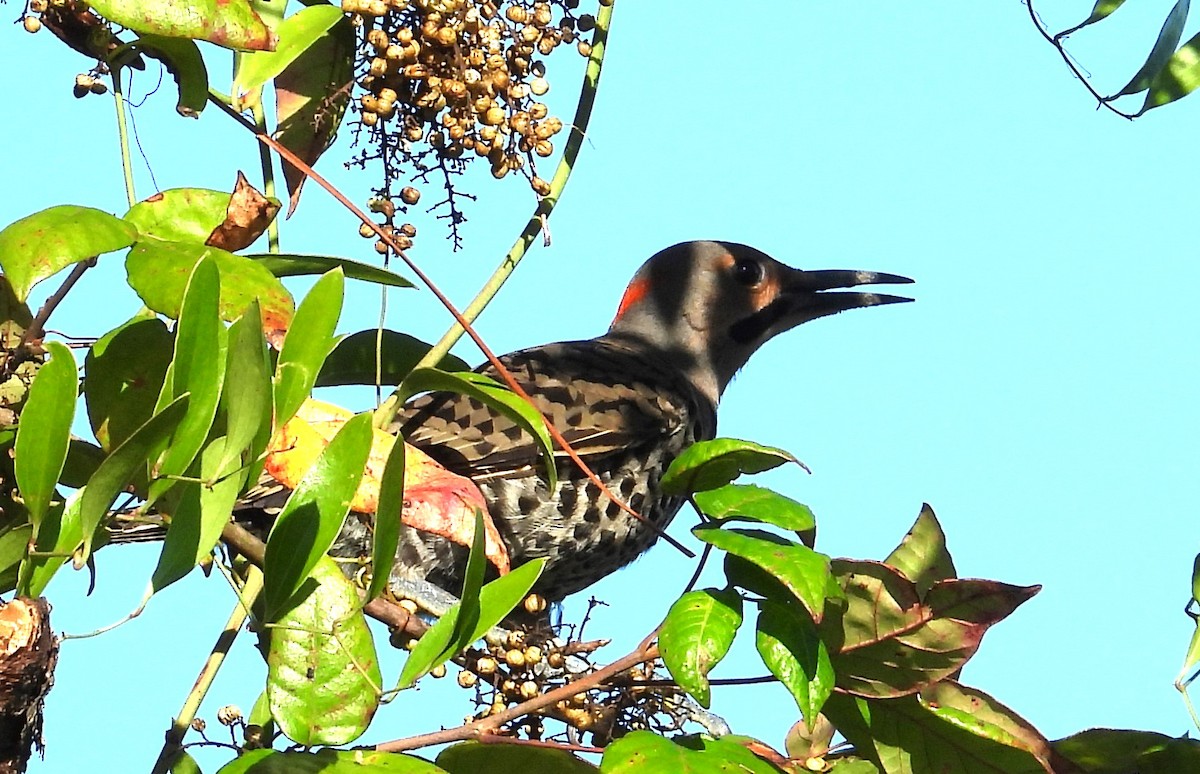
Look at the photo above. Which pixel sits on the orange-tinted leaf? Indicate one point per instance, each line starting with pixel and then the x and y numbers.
pixel 230 23
pixel 246 218
pixel 435 500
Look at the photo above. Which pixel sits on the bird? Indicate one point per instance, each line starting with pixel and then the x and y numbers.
pixel 628 401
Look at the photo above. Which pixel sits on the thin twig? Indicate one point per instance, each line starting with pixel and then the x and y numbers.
pixel 37 328
pixel 1055 40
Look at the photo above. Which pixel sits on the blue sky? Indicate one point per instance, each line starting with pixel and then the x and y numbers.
pixel 1039 395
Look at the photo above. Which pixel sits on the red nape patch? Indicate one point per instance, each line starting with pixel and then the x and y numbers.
pixel 636 291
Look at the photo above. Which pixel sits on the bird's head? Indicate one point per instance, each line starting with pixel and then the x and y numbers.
pixel 707 306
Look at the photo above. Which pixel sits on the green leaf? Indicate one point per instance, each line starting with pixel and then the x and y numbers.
pixel 492 394
pixel 183 763
pixel 696 635
pixel 289 265
pixel 1114 751
pixel 187 215
pixel 158 271
pixel 296 34
pixel 386 538
pixel 353 359
pixel 125 371
pixel 327 761
pixel 475 757
pixel 1179 78
pixel 182 59
pixel 792 649
pixel 1102 10
pixel 44 432
pixel 228 23
pixel 922 556
pixel 198 369
pixel 323 678
pixel 83 458
pixel 711 464
pixel 58 535
pixel 40 245
pixel 14 543
pixel 118 469
pixel 246 396
pixel 904 735
pixel 754 503
pixel 644 751
pixel 1160 54
pixel 307 344
pixel 803 571
pixel 313 514
pixel 197 521
pixel 496 600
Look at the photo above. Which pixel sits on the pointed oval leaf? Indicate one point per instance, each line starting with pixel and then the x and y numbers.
pixel 1179 78
pixel 182 59
pixel 755 503
pixel 387 529
pixel 124 374
pixel 645 751
pixel 38 246
pixel 696 635
pixel 232 24
pixel 290 265
pixel 246 397
pixel 158 271
pixel 791 647
pixel 313 514
pixel 490 393
pixel 1100 11
pixel 44 432
pixel 197 521
pixel 978 713
pixel 1160 54
pixel 118 469
pixel 474 757
pixel 365 356
pixel 295 35
pixel 198 368
pixel 711 464
pixel 922 556
pixel 802 570
pixel 327 761
pixel 323 678
pixel 308 343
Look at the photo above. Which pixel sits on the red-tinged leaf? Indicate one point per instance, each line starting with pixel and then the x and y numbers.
pixel 978 713
pixel 364 357
pixel 886 641
pixel 644 751
pixel 246 218
pixel 42 244
pixel 474 757
pixel 44 432
pixel 804 572
pixel 124 377
pixel 158 271
pixel 712 464
pixel 313 514
pixel 922 556
pixel 292 265
pixel 903 735
pixel 229 23
pixel 792 649
pixel 310 100
pixel 749 502
pixel 696 634
pixel 323 678
pixel 230 221
pixel 307 344
pixel 119 468
pixel 327 761
pixel 296 34
pixel 183 61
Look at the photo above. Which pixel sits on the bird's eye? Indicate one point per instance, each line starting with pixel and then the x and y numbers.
pixel 748 271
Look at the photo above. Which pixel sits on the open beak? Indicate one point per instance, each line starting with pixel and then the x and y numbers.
pixel 804 291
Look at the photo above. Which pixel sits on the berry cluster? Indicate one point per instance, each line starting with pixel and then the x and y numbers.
pixel 446 81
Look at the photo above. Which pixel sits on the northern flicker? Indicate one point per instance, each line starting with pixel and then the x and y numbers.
pixel 628 402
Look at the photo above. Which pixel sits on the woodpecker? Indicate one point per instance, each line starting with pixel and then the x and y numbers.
pixel 628 401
